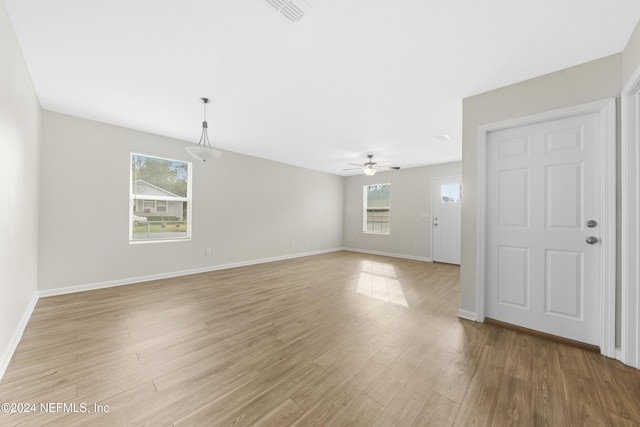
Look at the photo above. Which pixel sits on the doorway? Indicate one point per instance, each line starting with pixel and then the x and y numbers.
pixel 447 200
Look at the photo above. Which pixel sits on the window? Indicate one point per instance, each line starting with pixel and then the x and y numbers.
pixel 160 199
pixel 149 206
pixel 450 193
pixel 376 208
pixel 161 206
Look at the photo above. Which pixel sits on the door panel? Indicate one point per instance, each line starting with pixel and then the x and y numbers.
pixel 564 196
pixel 564 284
pixel 446 219
pixel 513 277
pixel 513 197
pixel 542 185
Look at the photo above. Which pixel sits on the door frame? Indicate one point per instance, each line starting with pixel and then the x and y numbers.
pixel 630 226
pixel 433 208
pixel 607 112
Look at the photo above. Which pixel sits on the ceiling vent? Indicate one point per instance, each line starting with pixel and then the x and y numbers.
pixel 293 11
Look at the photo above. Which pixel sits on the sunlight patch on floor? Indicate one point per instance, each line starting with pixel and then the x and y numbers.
pixel 378 280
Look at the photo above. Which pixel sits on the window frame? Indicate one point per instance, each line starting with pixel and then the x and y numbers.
pixel 133 197
pixel 366 208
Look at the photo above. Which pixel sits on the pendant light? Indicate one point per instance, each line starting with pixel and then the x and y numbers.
pixel 204 151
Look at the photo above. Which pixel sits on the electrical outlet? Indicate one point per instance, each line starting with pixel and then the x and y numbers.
pixel 207 252
pixel 293 243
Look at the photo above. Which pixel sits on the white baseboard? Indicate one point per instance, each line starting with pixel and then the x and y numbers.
pixel 168 275
pixel 389 254
pixel 469 315
pixel 17 336
pixel 618 354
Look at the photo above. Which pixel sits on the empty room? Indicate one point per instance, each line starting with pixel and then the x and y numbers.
pixel 305 212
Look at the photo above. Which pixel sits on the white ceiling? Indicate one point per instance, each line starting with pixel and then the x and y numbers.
pixel 350 78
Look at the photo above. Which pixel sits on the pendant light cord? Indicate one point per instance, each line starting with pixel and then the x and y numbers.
pixel 205 136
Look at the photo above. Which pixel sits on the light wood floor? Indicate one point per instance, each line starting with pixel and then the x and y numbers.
pixel 335 339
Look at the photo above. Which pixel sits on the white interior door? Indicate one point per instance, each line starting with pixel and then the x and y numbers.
pixel 543 227
pixel 447 197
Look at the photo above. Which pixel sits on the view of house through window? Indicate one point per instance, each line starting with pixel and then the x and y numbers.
pixel 160 198
pixel 376 208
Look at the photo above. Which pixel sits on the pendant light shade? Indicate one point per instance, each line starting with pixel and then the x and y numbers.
pixel 204 151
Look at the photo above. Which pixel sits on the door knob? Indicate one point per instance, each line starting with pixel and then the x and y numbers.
pixel 592 240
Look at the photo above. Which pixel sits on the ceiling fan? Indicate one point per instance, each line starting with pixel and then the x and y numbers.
pixel 370 167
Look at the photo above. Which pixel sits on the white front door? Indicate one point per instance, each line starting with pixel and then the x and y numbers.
pixel 447 197
pixel 543 227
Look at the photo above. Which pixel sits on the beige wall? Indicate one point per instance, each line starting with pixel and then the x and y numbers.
pixel 19 162
pixel 244 208
pixel 410 200
pixel 596 80
pixel 631 55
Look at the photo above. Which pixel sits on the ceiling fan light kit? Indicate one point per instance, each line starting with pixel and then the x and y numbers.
pixel 204 151
pixel 369 170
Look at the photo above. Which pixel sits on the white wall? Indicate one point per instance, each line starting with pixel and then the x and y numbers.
pixel 244 208
pixel 410 199
pixel 19 171
pixel 596 80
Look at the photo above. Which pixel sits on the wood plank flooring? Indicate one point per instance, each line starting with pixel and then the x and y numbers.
pixel 335 339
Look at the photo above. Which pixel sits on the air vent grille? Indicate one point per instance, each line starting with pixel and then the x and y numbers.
pixel 290 10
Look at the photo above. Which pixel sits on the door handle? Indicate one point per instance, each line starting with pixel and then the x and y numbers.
pixel 592 240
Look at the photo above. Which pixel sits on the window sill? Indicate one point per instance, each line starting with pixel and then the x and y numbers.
pixel 146 241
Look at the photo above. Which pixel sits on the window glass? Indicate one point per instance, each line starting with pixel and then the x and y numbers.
pixel 450 193
pixel 160 196
pixel 376 208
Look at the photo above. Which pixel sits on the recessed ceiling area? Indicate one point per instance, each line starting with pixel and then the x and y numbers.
pixel 345 79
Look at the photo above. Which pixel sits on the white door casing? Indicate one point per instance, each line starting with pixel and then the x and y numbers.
pixel 630 227
pixel 446 201
pixel 551 266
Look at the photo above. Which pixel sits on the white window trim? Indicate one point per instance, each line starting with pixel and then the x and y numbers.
pixel 365 206
pixel 163 198
pixel 188 199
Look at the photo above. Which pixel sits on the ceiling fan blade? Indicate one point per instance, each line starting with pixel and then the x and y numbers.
pixel 351 169
pixel 384 163
pixel 390 167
